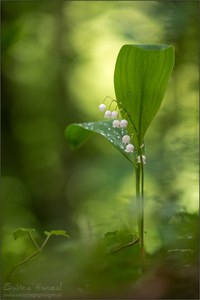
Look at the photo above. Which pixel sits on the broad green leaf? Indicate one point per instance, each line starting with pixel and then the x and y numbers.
pixel 21 232
pixel 57 232
pixel 140 80
pixel 76 134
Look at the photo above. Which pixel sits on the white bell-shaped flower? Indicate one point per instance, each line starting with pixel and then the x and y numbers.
pixel 102 107
pixel 114 114
pixel 126 139
pixel 108 114
pixel 129 148
pixel 143 159
pixel 116 124
pixel 123 123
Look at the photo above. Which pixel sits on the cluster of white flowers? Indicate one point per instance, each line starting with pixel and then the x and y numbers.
pixel 108 113
pixel 129 147
pixel 120 124
pixel 113 115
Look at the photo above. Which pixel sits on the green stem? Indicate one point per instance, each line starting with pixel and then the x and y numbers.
pixel 142 212
pixel 23 262
pixel 46 240
pixel 39 249
pixel 33 240
pixel 125 246
pixel 138 200
pixel 140 207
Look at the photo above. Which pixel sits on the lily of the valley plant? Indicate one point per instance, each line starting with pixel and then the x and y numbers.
pixel 141 76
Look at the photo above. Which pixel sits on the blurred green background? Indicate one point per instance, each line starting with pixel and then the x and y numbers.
pixel 58 60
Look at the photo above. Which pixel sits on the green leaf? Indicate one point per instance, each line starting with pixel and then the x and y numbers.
pixel 21 232
pixel 140 80
pixel 116 240
pixel 76 134
pixel 57 232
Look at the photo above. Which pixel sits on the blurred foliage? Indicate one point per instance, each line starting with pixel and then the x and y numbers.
pixel 58 62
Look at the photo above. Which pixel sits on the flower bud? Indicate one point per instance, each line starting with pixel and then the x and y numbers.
pixel 129 148
pixel 143 159
pixel 107 114
pixel 126 139
pixel 114 114
pixel 116 124
pixel 102 107
pixel 123 123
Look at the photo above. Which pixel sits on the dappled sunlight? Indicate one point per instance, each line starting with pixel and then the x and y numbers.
pixel 188 183
pixel 94 73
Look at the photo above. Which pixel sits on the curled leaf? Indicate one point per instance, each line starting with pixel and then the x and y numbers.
pixel 19 232
pixel 77 134
pixel 57 232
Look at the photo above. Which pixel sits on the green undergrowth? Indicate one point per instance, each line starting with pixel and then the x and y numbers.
pixel 109 265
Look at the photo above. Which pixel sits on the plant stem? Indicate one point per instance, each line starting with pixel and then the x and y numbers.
pixel 23 262
pixel 142 212
pixel 39 249
pixel 125 246
pixel 140 207
pixel 46 240
pixel 138 199
pixel 33 240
